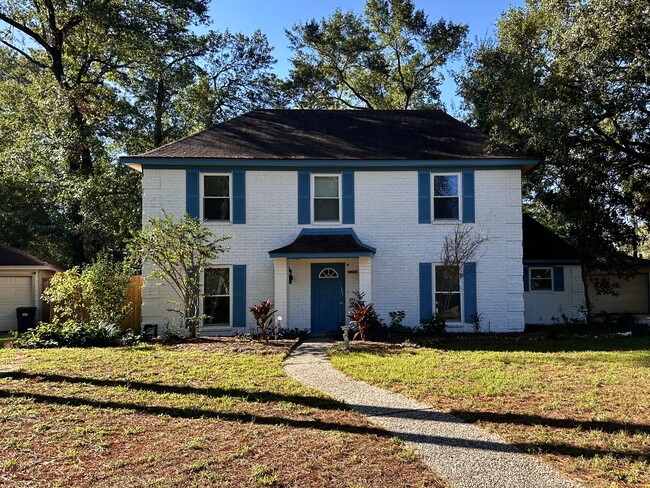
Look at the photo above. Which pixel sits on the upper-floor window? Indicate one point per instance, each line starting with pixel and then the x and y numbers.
pixel 216 197
pixel 327 198
pixel 447 292
pixel 541 279
pixel 216 299
pixel 446 197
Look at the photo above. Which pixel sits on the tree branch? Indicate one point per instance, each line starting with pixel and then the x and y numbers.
pixel 26 30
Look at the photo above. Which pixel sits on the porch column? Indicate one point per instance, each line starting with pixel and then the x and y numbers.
pixel 281 270
pixel 365 277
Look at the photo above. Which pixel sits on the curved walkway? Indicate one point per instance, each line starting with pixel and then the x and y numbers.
pixel 466 455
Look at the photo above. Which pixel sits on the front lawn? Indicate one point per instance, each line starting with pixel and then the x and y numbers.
pixel 214 413
pixel 583 406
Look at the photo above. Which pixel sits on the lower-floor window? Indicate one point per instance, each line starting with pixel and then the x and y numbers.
pixel 216 300
pixel 541 279
pixel 447 292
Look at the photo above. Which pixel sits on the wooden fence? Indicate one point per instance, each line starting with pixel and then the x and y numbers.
pixel 134 297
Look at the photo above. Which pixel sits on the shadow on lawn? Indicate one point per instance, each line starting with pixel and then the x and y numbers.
pixel 609 427
pixel 521 343
pixel 252 396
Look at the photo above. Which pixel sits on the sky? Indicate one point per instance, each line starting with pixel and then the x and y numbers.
pixel 272 17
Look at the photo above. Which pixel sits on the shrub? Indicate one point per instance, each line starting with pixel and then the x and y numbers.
pixel 364 315
pixel 294 333
pixel 263 315
pixel 96 293
pixel 71 333
pixel 475 319
pixel 435 326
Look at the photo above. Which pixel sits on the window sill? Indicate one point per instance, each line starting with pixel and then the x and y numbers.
pixel 326 223
pixel 446 221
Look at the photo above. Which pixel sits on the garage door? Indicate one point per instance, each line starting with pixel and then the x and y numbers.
pixel 632 297
pixel 15 291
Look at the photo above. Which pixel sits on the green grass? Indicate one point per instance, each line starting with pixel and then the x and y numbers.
pixel 187 415
pixel 583 405
pixel 3 341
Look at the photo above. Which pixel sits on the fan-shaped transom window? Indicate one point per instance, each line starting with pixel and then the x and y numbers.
pixel 328 273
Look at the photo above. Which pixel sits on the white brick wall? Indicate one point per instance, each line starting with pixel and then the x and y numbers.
pixel 544 306
pixel 386 216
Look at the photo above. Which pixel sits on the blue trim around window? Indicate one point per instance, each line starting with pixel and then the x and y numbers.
pixel 238 196
pixel 304 197
pixel 239 295
pixel 347 188
pixel 424 197
pixel 469 291
pixel 468 196
pixel 426 291
pixel 192 197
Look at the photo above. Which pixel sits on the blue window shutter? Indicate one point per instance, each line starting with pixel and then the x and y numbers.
pixel 238 196
pixel 468 196
pixel 469 290
pixel 558 278
pixel 348 196
pixel 526 281
pixel 426 291
pixel 239 295
pixel 192 197
pixel 424 197
pixel 304 203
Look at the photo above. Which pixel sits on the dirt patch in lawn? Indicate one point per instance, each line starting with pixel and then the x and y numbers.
pixel 185 415
pixel 234 345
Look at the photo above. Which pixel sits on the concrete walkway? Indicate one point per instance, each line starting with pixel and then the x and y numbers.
pixel 466 455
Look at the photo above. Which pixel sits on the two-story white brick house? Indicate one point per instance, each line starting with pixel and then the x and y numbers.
pixel 321 204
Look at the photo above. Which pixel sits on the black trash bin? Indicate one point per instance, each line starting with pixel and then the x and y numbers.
pixel 150 331
pixel 26 318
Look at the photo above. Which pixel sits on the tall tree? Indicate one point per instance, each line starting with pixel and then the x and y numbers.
pixel 568 82
pixel 66 60
pixel 189 83
pixel 388 58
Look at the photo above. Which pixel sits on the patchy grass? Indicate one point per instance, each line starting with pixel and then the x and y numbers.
pixel 211 413
pixel 581 405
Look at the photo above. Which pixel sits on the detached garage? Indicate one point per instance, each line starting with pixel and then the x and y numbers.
pixel 23 278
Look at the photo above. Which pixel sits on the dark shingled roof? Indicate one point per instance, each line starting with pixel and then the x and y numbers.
pixel 324 244
pixel 335 135
pixel 10 256
pixel 542 243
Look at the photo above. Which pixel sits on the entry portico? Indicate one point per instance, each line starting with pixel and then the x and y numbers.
pixel 318 273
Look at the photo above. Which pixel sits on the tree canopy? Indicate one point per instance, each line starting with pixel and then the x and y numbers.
pixel 83 82
pixel 568 83
pixel 388 58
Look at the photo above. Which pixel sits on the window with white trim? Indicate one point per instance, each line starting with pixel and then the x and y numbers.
pixel 446 196
pixel 447 292
pixel 216 299
pixel 327 198
pixel 216 197
pixel 541 279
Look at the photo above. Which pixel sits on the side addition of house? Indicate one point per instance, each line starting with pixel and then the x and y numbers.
pixel 322 204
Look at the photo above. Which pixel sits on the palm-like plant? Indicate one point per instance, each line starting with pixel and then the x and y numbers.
pixel 263 315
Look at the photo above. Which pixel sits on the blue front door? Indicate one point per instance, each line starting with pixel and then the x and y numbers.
pixel 327 297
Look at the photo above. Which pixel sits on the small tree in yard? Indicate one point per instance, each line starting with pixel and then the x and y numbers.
pixel 459 247
pixel 179 251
